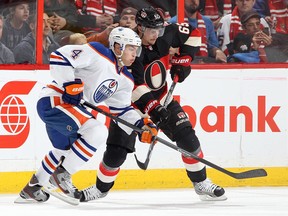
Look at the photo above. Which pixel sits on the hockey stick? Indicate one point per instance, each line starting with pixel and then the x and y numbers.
pixel 144 165
pixel 242 175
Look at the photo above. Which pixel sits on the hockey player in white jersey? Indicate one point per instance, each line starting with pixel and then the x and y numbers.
pixel 97 74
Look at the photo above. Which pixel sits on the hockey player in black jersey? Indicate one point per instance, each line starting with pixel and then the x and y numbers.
pixel 150 73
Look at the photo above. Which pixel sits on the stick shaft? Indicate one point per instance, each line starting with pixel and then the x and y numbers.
pixel 247 174
pixel 144 165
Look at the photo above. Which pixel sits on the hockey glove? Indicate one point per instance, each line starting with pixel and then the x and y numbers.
pixel 149 130
pixel 73 92
pixel 180 67
pixel 160 115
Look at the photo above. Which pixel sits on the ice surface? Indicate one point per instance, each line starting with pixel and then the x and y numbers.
pixel 248 201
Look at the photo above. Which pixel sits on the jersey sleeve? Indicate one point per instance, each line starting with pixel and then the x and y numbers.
pixel 65 61
pixel 184 36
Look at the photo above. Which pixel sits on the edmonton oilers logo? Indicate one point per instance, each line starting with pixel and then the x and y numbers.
pixel 105 90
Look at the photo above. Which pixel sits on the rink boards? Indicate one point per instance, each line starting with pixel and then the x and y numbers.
pixel 240 117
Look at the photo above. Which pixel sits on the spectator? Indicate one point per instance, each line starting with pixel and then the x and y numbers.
pixel 279 16
pixel 262 8
pixel 215 9
pixel 127 19
pixel 209 50
pixel 102 37
pixel 169 7
pixel 275 13
pixel 251 25
pixel 62 15
pixel 230 24
pixel 241 51
pixel 260 39
pixel 98 15
pixel 75 38
pixel 76 16
pixel 6 55
pixel 15 26
pixel 25 51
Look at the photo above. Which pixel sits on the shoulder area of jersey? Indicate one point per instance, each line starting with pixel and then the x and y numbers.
pixel 99 48
pixel 97 45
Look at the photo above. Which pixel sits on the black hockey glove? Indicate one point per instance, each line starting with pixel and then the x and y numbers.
pixel 160 115
pixel 180 67
pixel 73 92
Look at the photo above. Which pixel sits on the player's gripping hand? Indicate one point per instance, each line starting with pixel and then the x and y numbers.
pixel 180 67
pixel 149 130
pixel 73 92
pixel 160 115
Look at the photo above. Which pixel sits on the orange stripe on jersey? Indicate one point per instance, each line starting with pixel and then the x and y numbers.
pixel 70 108
pixel 49 163
pixel 56 57
pixel 55 88
pixel 108 172
pixel 57 100
pixel 192 160
pixel 83 149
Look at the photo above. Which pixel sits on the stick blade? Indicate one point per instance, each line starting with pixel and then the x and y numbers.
pixel 251 174
pixel 141 165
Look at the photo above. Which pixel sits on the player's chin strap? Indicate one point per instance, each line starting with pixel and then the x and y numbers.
pixel 144 165
pixel 120 61
pixel 242 175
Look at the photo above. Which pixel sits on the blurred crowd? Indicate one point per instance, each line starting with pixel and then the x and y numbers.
pixel 249 31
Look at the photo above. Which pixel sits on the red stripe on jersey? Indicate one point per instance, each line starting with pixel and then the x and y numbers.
pixel 107 172
pixel 192 160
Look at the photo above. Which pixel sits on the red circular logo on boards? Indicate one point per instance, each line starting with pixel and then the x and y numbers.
pixel 14 119
pixel 13 115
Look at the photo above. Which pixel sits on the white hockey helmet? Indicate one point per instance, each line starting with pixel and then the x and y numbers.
pixel 124 36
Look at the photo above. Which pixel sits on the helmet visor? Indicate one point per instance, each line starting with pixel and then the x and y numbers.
pixel 155 31
pixel 138 51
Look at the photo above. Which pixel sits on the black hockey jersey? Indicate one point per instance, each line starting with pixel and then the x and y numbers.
pixel 150 68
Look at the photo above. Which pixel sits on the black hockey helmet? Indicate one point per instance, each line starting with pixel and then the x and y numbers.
pixel 149 17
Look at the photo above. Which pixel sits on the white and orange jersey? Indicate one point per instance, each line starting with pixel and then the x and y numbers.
pixel 104 81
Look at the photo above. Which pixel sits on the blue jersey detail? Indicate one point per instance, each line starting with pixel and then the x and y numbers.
pixel 66 63
pixel 98 47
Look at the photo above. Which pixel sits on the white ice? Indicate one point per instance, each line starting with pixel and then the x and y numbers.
pixel 248 201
